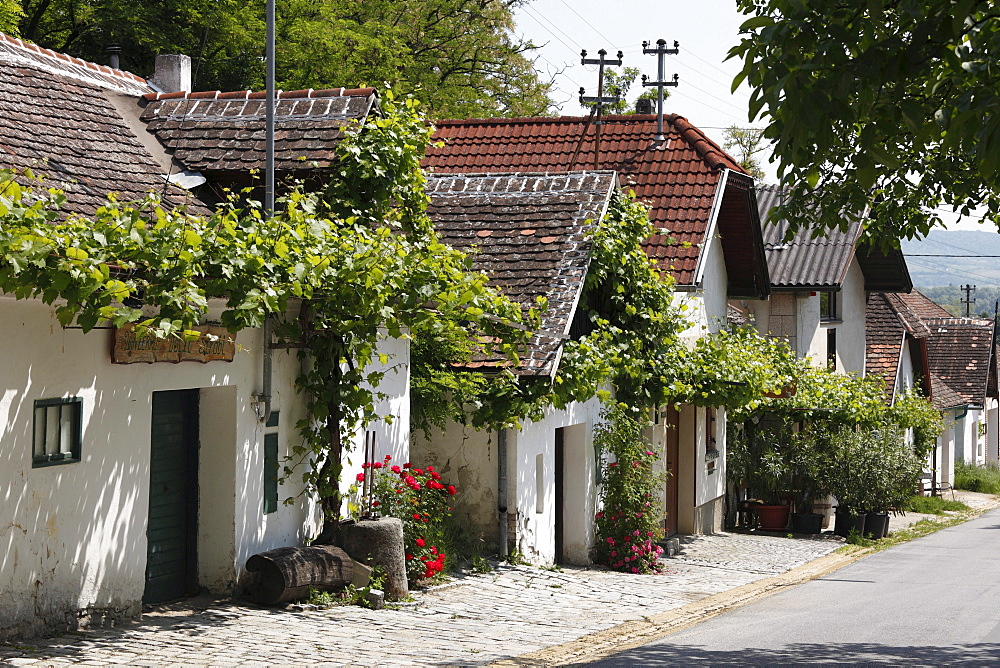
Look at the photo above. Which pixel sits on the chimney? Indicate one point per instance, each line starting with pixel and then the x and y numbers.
pixel 172 73
pixel 113 51
pixel 644 106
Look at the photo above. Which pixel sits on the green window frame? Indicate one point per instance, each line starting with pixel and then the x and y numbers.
pixel 57 431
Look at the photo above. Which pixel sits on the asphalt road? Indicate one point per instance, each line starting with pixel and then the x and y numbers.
pixel 933 601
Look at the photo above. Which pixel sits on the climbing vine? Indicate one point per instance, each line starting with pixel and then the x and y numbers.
pixel 338 271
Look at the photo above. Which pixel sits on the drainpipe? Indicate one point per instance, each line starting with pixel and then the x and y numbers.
pixel 502 488
pixel 265 385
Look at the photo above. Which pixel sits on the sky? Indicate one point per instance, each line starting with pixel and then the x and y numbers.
pixel 706 30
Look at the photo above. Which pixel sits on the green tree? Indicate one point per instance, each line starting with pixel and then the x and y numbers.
pixel 458 56
pixel 10 16
pixel 888 103
pixel 749 142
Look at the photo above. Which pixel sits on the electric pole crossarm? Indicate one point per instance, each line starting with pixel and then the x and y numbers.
pixel 661 51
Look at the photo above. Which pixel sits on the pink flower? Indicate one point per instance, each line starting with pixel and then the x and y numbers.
pixel 635 533
pixel 611 541
pixel 635 570
pixel 614 553
pixel 649 533
pixel 649 452
pixel 599 515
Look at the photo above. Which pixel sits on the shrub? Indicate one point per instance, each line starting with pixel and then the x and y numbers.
pixel 419 498
pixel 631 519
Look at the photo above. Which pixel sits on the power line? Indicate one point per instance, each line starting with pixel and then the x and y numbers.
pixel 602 35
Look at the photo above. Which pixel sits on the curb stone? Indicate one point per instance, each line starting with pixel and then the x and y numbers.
pixel 600 645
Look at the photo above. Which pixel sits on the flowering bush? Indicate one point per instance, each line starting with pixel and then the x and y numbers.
pixel 631 520
pixel 423 503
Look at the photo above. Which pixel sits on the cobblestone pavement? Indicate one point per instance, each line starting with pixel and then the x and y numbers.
pixel 474 620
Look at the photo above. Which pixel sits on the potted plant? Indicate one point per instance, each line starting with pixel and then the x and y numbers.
pixel 843 472
pixel 806 456
pixel 758 463
pixel 891 472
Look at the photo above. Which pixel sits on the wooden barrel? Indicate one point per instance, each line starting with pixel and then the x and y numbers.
pixel 286 574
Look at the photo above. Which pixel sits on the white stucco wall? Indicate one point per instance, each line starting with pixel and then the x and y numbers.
pixel 73 536
pixel 469 459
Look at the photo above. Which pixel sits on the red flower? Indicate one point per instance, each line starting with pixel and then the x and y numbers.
pixel 420 542
pixel 452 490
pixel 416 517
pixel 388 457
pixel 395 469
pixel 430 468
pixel 434 475
pixel 418 471
pixel 407 465
pixel 361 477
pixel 409 557
pixel 377 465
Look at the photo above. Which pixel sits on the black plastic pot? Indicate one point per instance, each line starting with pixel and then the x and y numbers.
pixel 807 522
pixel 846 522
pixel 876 525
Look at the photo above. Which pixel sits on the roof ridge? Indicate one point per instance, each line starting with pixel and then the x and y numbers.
pixel 304 93
pixel 103 69
pixel 710 152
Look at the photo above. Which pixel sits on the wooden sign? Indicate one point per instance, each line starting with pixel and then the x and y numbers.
pixel 129 348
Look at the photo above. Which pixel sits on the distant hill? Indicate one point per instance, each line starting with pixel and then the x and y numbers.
pixel 929 272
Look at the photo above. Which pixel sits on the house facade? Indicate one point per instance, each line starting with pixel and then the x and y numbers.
pixel 915 343
pixel 708 239
pixel 133 470
pixel 820 287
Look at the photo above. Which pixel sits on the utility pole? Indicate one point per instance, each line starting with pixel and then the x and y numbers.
pixel 661 51
pixel 598 101
pixel 969 299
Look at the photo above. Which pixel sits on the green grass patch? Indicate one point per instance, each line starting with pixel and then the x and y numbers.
pixel 984 479
pixel 934 505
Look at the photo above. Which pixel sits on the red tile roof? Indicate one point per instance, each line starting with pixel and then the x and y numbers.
pixel 529 234
pixel 960 351
pixel 884 338
pixel 678 178
pixel 213 131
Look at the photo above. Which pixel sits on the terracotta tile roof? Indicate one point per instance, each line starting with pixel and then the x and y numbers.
pixel 13 50
pixel 529 234
pixel 736 317
pixel 57 117
pixel 884 338
pixel 224 132
pixel 678 178
pixel 959 352
pixel 906 307
pixel 943 397
pixel 921 306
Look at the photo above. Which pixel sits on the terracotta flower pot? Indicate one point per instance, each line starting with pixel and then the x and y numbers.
pixel 772 518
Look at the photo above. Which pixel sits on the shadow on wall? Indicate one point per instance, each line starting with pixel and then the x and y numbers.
pixel 69 533
pixel 834 653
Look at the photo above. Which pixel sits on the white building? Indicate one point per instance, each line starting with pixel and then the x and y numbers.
pixel 133 471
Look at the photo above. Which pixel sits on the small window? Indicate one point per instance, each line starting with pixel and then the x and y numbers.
pixel 539 484
pixel 58 424
pixel 271 464
pixel 828 306
pixel 831 349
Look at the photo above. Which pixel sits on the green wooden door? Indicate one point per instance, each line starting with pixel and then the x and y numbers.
pixel 171 566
